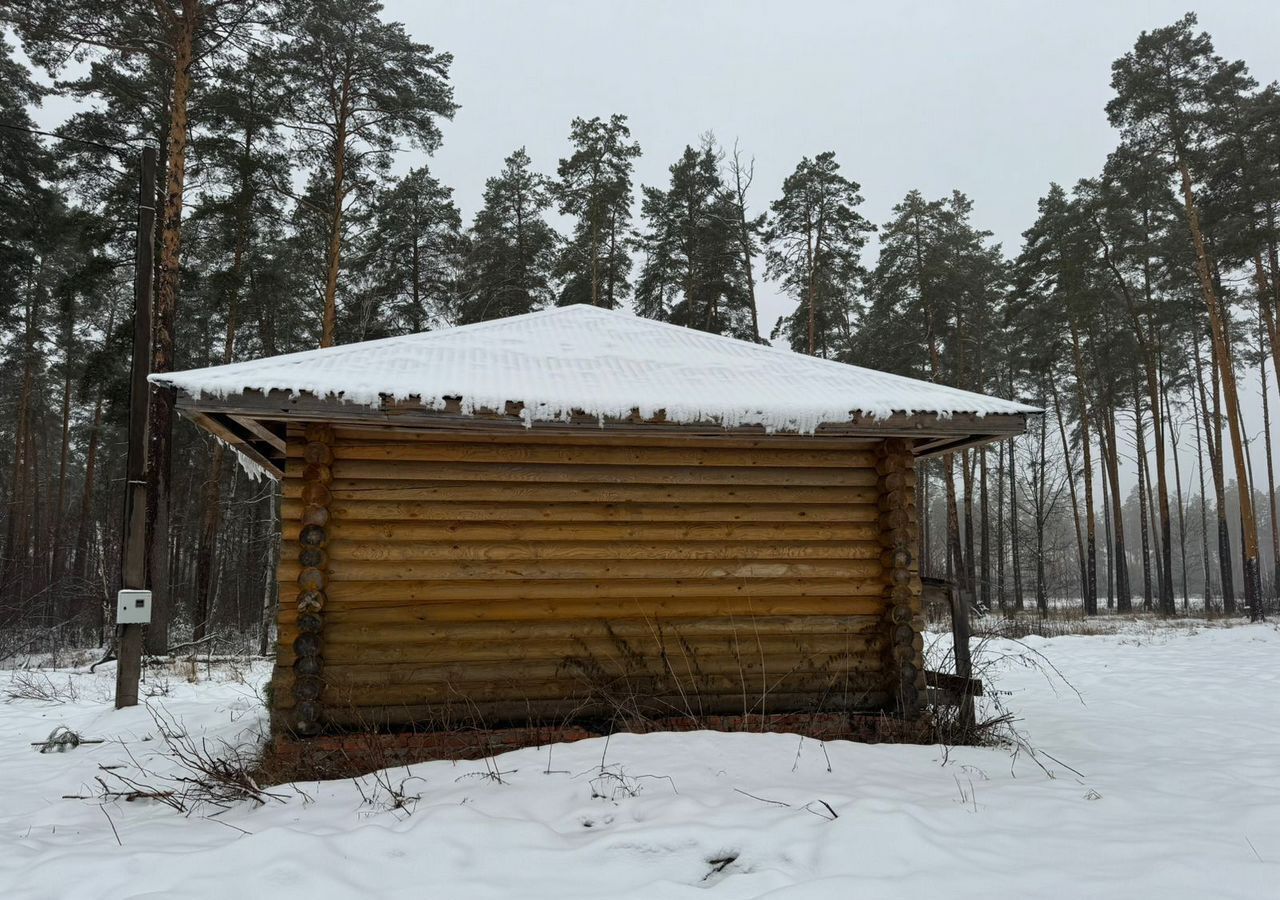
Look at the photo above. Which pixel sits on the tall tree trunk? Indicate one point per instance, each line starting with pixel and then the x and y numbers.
pixel 741 184
pixel 1207 599
pixel 57 537
pixel 970 555
pixel 1018 602
pixel 333 252
pixel 1042 515
pixel 163 332
pixel 1124 595
pixel 985 518
pixel 1218 327
pixel 1001 597
pixel 18 555
pixel 269 588
pixel 1091 541
pixel 1213 428
pixel 922 479
pixel 1140 441
pixel 1075 502
pixel 1182 505
pixel 955 550
pixel 1106 521
pixel 1267 336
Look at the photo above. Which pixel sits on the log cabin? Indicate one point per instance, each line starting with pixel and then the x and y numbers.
pixel 580 515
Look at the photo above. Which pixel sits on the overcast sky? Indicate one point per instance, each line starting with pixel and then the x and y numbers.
pixel 996 99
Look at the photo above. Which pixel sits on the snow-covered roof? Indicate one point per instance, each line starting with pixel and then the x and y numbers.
pixel 599 362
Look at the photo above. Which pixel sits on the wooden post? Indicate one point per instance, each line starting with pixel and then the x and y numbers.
pixel 133 566
pixel 960 634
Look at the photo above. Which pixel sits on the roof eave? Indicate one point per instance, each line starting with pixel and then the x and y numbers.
pixel 253 422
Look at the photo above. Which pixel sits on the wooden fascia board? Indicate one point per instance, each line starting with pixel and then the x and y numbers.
pixel 947 433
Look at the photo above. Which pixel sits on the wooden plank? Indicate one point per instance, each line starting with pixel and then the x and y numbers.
pixel 364 626
pixel 743 609
pixel 378 471
pixel 352 570
pixel 537 532
pixel 473 704
pixel 954 685
pixel 379 446
pixel 608 596
pixel 261 432
pixel 413 551
pixel 339 652
pixel 346 489
pixel 511 677
pixel 469 714
pixel 366 510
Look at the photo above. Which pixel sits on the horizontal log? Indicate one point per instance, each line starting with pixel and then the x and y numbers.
pixel 587 474
pixel 603 569
pixel 379 446
pixel 407 551
pixel 737 609
pixel 720 513
pixel 687 650
pixel 451 492
pixel 591 531
pixel 511 677
pixel 355 688
pixel 471 714
pixel 610 596
pixel 427 627
pixel 418 626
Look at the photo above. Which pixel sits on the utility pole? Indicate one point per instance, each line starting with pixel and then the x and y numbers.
pixel 133 607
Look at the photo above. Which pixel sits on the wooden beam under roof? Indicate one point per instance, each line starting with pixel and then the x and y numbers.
pixel 235 437
pixel 930 434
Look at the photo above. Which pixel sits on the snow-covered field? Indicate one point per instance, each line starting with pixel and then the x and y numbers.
pixel 1160 779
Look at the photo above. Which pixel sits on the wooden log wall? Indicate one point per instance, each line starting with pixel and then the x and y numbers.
pixel 461 579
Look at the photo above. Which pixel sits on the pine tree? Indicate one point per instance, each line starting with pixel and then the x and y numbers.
pixel 412 258
pixel 1166 91
pixel 693 272
pixel 358 86
pixel 594 186
pixel 815 240
pixel 512 246
pixel 750 229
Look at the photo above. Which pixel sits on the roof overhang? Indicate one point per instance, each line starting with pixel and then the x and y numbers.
pixel 254 423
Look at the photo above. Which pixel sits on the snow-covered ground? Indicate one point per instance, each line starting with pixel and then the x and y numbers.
pixel 1161 778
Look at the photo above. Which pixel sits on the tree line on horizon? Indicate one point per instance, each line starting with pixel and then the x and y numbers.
pixel 1140 297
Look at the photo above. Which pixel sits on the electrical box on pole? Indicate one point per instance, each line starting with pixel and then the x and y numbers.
pixel 133 608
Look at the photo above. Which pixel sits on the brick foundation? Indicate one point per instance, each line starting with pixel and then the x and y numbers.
pixel 354 753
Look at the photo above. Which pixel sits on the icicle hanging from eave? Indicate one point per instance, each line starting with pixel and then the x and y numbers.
pixel 250 468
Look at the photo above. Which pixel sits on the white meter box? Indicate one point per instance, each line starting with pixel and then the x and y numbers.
pixel 133 607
